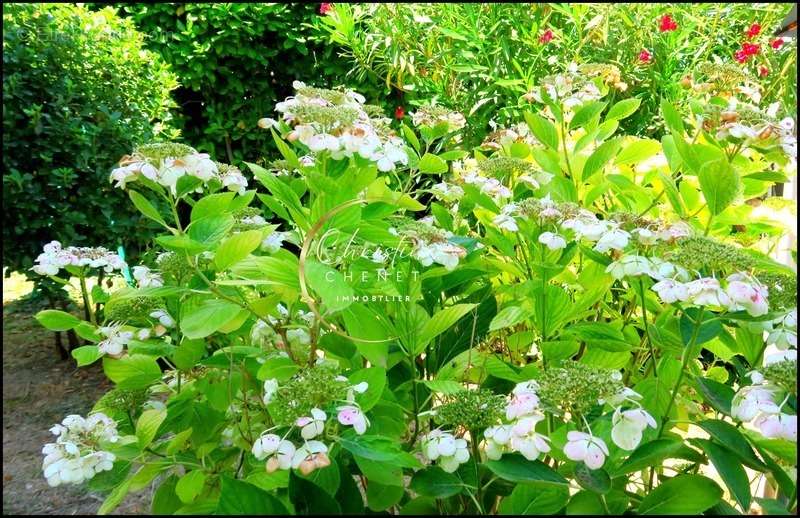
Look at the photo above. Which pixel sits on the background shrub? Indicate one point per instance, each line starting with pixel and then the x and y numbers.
pixel 79 91
pixel 235 61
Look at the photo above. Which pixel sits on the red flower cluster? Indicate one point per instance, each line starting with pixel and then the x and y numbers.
pixel 753 31
pixel 776 43
pixel 667 24
pixel 645 56
pixel 747 51
pixel 546 37
pixel 325 8
pixel 399 112
pixel 763 71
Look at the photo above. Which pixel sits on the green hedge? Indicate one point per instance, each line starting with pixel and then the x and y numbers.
pixel 79 91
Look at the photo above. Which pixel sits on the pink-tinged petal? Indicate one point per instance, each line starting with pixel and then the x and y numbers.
pixel 594 457
pixel 576 450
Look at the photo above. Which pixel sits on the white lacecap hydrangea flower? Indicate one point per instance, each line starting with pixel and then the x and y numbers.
pixel 116 338
pixel 628 426
pixel 586 448
pixel 75 455
pixel 445 449
pixel 53 258
pixel 146 278
pixel 313 425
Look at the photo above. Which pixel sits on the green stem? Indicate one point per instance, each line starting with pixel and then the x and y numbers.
pixel 684 362
pixel 87 305
pixel 647 328
pixel 475 460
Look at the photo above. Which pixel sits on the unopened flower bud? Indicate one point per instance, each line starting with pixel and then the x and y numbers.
pixel 273 464
pixel 307 466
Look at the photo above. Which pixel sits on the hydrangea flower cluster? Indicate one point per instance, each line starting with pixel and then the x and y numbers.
pixel 432 245
pixel 76 455
pixel 166 163
pixel 338 121
pixel 54 258
pixel 442 447
pixel 758 404
pixel 281 453
pixel 569 392
pixel 576 86
pixel 503 137
pixel 431 115
pixel 116 338
pixel 748 124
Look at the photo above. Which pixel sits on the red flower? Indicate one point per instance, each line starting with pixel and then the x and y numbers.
pixel 325 8
pixel 763 71
pixel 399 112
pixel 645 56
pixel 776 43
pixel 740 56
pixel 667 24
pixel 546 37
pixel 751 49
pixel 753 31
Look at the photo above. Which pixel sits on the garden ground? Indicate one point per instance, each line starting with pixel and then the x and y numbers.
pixel 39 389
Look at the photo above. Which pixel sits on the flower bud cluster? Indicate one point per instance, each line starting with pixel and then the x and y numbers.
pixel 76 455
pixel 54 258
pixel 470 409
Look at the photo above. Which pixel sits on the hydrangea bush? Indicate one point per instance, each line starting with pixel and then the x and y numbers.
pixel 563 320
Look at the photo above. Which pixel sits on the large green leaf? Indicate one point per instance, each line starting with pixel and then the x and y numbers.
pixel 433 481
pixel 440 322
pixel 730 469
pixel 623 109
pixel 132 372
pixel 532 500
pixel 684 494
pixel 600 157
pixel 719 183
pixel 543 130
pixel 241 498
pixel 208 317
pixel 236 248
pixel 516 468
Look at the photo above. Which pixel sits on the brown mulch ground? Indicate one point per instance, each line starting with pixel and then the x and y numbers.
pixel 39 389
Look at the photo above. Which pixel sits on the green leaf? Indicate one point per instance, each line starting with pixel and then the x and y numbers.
pixel 279 368
pixel 330 285
pixel 431 164
pixel 600 334
pixel 516 468
pixel 212 205
pixel 114 498
pixel 649 454
pixel 378 448
pixel 375 377
pixel 444 386
pixel 586 113
pixel 236 248
pixel 638 151
pixel 543 130
pixel 684 494
pixel 286 151
pixel 527 500
pixel 380 497
pixel 732 439
pixel 147 426
pixel 241 498
pixel 188 353
pixel 596 480
pixel 441 322
pixel 181 243
pixel 507 317
pixel 719 183
pixel 190 485
pixel 132 372
pixel 600 157
pixel 56 320
pixel 716 394
pixel 146 208
pixel 730 469
pixel 208 317
pixel 86 355
pixel 624 108
pixel 435 482
pixel 672 118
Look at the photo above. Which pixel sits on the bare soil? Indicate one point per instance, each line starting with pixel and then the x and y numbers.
pixel 39 389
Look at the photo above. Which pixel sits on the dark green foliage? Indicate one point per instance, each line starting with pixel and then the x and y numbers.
pixel 79 92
